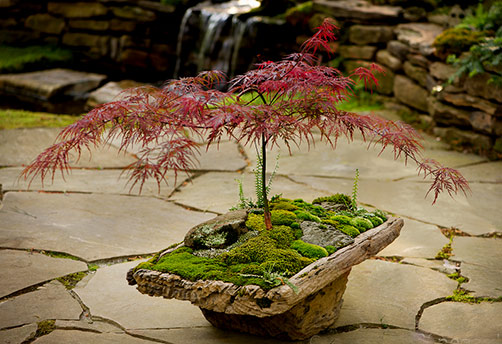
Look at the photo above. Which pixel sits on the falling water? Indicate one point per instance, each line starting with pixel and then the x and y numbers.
pixel 219 34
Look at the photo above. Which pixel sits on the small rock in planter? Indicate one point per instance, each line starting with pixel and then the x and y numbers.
pixel 219 232
pixel 324 235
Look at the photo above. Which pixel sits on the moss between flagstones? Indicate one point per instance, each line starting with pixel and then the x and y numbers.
pixel 267 257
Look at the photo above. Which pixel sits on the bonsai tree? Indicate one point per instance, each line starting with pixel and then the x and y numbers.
pixel 278 102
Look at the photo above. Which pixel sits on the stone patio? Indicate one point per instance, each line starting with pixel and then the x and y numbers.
pixel 92 221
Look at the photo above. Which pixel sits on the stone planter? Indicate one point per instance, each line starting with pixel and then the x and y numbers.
pixel 279 312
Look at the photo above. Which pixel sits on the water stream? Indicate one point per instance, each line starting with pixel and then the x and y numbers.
pixel 210 36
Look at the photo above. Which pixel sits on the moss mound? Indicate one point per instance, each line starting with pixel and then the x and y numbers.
pixel 267 257
pixel 17 59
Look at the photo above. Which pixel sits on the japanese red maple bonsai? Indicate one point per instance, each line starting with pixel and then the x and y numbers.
pixel 276 102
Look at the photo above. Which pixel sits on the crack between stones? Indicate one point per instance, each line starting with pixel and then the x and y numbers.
pixel 427 304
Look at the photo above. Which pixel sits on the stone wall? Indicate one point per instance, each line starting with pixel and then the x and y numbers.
pixel 112 36
pixel 467 113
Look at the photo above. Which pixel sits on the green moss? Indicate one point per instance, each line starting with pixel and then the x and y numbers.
pixel 361 223
pixel 381 215
pixel 71 280
pixel 309 250
pixel 283 204
pixel 330 249
pixel 445 252
pixel 61 255
pixel 283 235
pixel 336 198
pixel 13 119
pixel 282 217
pixel 18 59
pixel 255 222
pixel 456 40
pixel 342 219
pixel 45 327
pixel 457 277
pixel 349 230
pixel 306 216
pixel 375 220
pixel 93 267
pixel 286 261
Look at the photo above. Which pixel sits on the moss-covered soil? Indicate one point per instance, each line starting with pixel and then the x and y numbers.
pixel 13 119
pixel 267 257
pixel 19 59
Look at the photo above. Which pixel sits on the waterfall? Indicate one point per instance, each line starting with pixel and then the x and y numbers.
pixel 214 43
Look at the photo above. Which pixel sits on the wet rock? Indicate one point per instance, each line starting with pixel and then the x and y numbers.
pixel 45 23
pixel 134 57
pixel 481 121
pixel 463 99
pixel 93 25
pixel 329 236
pixel 414 14
pixel 479 86
pixel 448 115
pixel 410 93
pixel 48 84
pixel 441 71
pixel 357 10
pixel 134 13
pixel 363 35
pixel 219 232
pixel 77 9
pixel 418 74
pixel 464 322
pixel 122 25
pixel 418 36
pixel 387 59
pixel 398 49
pixel 465 138
pixel 418 60
pixel 83 39
pixel 365 52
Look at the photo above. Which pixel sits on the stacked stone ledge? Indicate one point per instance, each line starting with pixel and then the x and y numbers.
pixel 467 112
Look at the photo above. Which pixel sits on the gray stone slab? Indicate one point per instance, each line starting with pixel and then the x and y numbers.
pixel 93 227
pixel 379 292
pixel 18 335
pixel 489 172
pixel 323 160
pixel 219 192
pixel 417 239
pixel 444 266
pixel 464 322
pixel 20 146
pixel 90 181
pixel 21 269
pixel 50 83
pixel 475 214
pixel 50 301
pixel 108 296
pixel 482 263
pixel 373 336
pixel 222 157
pixel 111 91
pixel 205 335
pixel 78 337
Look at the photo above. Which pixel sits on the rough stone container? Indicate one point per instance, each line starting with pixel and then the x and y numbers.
pixel 279 312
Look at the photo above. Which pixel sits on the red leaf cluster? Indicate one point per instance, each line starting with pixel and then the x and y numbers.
pixel 278 102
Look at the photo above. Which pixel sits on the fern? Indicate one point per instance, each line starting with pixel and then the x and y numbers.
pixel 244 202
pixel 354 191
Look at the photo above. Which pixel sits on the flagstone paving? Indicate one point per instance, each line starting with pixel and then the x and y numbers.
pixel 401 297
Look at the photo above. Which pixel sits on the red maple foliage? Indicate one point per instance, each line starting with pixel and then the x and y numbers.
pixel 278 102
